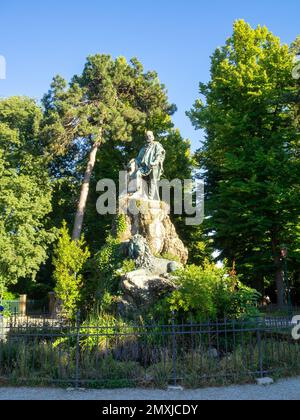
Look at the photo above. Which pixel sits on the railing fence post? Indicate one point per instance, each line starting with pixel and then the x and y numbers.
pixel 77 373
pixel 174 351
pixel 260 355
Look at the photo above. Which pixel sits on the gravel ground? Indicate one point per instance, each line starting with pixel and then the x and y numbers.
pixel 282 390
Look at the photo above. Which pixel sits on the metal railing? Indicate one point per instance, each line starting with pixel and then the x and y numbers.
pixel 48 351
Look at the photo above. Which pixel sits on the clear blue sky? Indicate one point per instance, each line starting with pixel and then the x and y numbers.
pixel 174 37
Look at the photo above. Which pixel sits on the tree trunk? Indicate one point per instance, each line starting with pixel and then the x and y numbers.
pixel 84 193
pixel 280 287
pixel 278 272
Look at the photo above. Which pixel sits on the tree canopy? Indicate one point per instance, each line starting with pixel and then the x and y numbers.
pixel 25 192
pixel 251 152
pixel 111 101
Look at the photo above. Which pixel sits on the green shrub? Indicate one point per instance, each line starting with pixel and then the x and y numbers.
pixel 10 296
pixel 69 259
pixel 110 332
pixel 235 300
pixel 208 292
pixel 127 266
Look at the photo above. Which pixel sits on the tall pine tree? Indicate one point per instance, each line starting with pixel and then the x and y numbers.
pixel 109 102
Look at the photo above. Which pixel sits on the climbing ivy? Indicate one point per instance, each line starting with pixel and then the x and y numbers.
pixel 120 225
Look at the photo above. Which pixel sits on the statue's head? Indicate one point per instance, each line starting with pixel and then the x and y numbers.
pixel 150 136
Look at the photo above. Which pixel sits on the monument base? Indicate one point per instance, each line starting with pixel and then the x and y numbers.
pixel 151 241
pixel 150 219
pixel 141 290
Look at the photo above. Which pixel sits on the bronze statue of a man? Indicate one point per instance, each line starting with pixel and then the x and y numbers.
pixel 148 166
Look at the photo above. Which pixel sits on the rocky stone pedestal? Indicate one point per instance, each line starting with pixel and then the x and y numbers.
pixel 150 219
pixel 143 289
pixel 149 235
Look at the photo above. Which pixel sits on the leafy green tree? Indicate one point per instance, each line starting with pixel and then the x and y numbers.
pixel 250 156
pixel 295 93
pixel 25 192
pixel 69 259
pixel 180 164
pixel 110 101
pixel 294 251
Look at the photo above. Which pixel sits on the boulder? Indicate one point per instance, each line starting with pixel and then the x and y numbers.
pixel 141 289
pixel 149 233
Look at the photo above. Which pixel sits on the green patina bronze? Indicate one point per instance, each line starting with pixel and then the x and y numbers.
pixel 148 166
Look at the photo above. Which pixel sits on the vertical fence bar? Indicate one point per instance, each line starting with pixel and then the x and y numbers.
pixel 192 342
pixel 77 373
pixel 164 343
pixel 226 348
pixel 174 351
pixel 15 317
pixel 260 354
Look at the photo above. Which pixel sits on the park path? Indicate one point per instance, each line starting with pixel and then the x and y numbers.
pixel 281 390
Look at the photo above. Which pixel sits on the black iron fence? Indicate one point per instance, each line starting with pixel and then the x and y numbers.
pixel 114 354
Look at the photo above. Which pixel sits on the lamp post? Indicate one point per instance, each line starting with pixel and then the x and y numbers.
pixel 284 255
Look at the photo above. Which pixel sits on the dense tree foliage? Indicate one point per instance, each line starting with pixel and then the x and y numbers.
pixel 208 292
pixel 25 192
pixel 251 152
